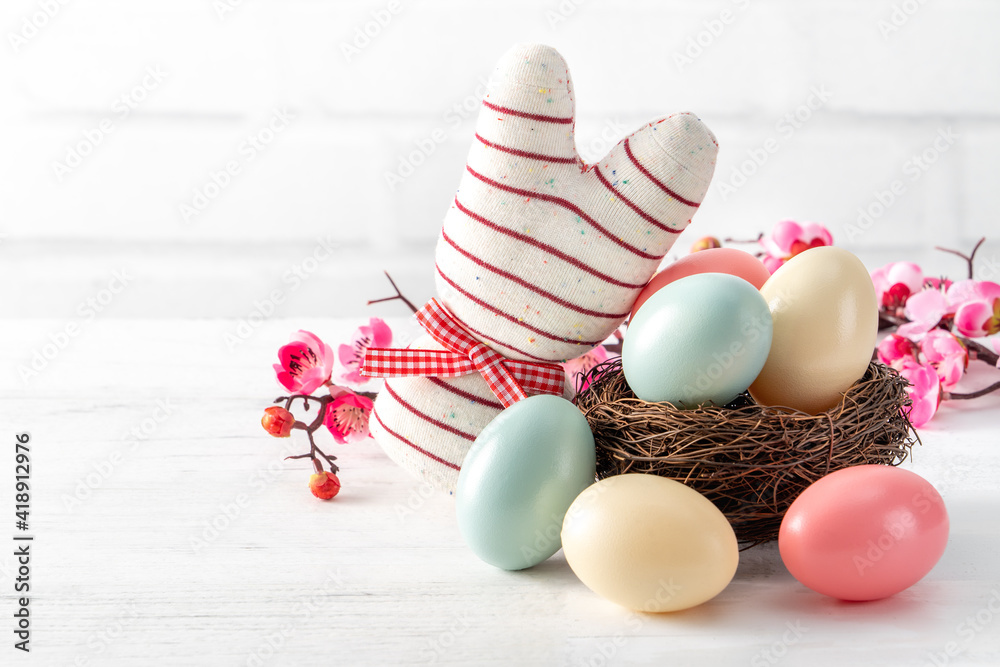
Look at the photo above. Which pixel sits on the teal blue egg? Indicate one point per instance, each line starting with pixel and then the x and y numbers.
pixel 520 476
pixel 700 339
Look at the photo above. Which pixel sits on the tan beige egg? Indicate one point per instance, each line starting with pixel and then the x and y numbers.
pixel 649 543
pixel 825 318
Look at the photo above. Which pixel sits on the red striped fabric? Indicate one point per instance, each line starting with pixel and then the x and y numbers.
pixel 482 335
pixel 447 386
pixel 526 154
pixel 509 317
pixel 528 286
pixel 628 202
pixel 426 417
pixel 568 205
pixel 555 252
pixel 524 114
pixel 662 186
pixel 413 445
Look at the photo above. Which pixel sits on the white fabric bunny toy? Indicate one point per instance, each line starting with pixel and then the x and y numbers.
pixel 540 255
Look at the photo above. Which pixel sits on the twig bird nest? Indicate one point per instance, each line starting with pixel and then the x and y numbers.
pixel 750 460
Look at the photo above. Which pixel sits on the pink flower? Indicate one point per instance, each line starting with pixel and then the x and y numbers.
pixel 582 364
pixel 894 350
pixel 306 363
pixel 375 334
pixel 705 243
pixel 979 314
pixel 895 282
pixel 947 354
pixel 925 310
pixel 924 391
pixel 789 238
pixel 347 416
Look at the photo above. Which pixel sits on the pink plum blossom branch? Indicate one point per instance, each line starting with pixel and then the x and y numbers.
pixel 310 428
pixel 976 350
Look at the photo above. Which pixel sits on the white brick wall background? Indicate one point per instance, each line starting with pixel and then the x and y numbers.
pixel 898 75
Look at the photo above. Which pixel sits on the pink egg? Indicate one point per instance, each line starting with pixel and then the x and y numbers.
pixel 715 260
pixel 864 533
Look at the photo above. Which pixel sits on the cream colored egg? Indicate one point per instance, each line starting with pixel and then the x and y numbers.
pixel 649 543
pixel 825 318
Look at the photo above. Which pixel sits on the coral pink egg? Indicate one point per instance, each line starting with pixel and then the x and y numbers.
pixel 715 260
pixel 864 533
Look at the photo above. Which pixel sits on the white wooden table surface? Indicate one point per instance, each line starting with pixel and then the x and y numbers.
pixel 127 571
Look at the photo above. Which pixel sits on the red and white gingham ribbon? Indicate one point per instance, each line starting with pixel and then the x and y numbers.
pixel 510 379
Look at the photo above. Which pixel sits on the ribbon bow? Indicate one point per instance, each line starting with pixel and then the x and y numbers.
pixel 509 379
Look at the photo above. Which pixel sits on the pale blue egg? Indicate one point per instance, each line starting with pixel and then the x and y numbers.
pixel 700 339
pixel 520 476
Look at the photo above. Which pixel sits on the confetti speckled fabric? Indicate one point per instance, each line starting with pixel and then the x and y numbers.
pixel 540 255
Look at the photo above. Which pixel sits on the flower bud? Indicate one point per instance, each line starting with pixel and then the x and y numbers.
pixel 277 421
pixel 705 243
pixel 324 485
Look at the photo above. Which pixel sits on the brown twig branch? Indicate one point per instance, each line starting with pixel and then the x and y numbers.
pixel 730 239
pixel 948 396
pixel 969 259
pixel 310 428
pixel 399 295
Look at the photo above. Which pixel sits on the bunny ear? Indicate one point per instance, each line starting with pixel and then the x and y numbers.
pixel 528 110
pixel 654 180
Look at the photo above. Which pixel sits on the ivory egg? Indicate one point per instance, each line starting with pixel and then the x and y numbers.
pixel 824 325
pixel 649 543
